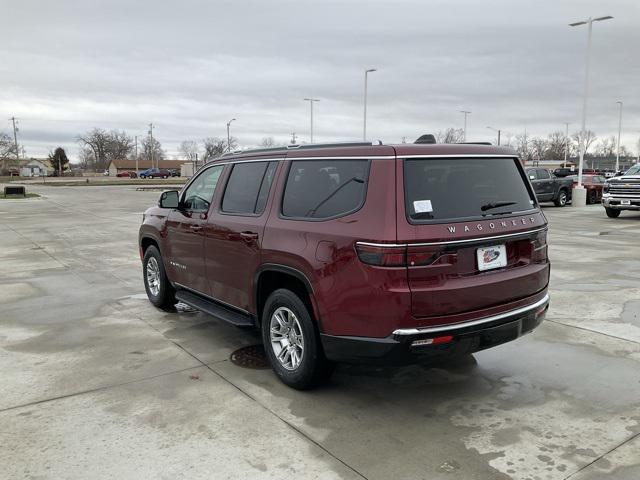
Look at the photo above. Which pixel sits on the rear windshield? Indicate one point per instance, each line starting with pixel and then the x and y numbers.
pixel 438 189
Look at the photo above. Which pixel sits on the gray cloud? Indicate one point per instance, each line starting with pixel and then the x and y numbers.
pixel 190 66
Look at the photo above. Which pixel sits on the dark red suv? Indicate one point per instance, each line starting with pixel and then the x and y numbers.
pixel 355 252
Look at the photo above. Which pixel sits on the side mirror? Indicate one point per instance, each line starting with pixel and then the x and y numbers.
pixel 169 199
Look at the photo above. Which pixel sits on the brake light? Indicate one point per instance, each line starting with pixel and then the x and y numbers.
pixel 539 247
pixel 392 256
pixel 432 341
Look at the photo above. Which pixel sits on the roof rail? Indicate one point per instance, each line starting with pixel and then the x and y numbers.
pixel 303 146
pixel 475 143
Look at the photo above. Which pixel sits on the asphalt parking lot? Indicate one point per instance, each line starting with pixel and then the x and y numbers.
pixel 97 383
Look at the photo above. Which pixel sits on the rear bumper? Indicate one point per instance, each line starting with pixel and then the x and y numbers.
pixel 467 337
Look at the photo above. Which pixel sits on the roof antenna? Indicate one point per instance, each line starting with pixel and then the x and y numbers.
pixel 427 138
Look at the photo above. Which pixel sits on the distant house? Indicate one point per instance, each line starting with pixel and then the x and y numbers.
pixel 35 167
pixel 126 165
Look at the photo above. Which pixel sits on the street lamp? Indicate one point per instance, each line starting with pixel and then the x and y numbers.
pixel 579 193
pixel 496 130
pixel 464 136
pixel 364 128
pixel 229 134
pixel 619 132
pixel 311 100
pixel 566 144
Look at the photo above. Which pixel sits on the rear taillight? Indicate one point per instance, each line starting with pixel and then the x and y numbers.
pixel 391 256
pixel 399 256
pixel 539 247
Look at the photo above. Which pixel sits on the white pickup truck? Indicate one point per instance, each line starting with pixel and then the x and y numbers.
pixel 622 193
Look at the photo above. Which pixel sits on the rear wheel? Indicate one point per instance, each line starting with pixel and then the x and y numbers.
pixel 612 212
pixel 592 197
pixel 160 292
pixel 561 201
pixel 292 343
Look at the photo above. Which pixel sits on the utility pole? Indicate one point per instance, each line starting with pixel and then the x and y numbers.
pixel 311 100
pixel 566 144
pixel 293 138
pixel 136 141
pixel 229 134
pixel 15 137
pixel 466 112
pixel 151 153
pixel 619 132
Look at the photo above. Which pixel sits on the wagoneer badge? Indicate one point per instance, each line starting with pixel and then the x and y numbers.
pixel 493 225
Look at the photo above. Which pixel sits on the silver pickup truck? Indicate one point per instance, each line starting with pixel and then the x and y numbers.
pixel 622 193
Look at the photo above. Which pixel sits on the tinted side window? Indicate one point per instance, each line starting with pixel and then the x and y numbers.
pixel 198 196
pixel 248 188
pixel 324 188
pixel 543 174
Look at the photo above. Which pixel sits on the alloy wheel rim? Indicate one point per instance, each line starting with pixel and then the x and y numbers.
pixel 153 276
pixel 287 340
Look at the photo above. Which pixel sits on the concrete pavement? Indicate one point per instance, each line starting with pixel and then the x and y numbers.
pixel 99 384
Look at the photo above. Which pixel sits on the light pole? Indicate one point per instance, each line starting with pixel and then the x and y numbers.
pixel 579 193
pixel 619 132
pixel 229 134
pixel 311 100
pixel 364 128
pixel 464 136
pixel 151 143
pixel 136 140
pixel 496 130
pixel 566 143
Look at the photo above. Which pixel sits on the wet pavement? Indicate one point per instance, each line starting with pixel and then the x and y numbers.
pixel 97 383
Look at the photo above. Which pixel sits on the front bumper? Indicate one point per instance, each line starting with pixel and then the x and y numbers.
pixel 467 337
pixel 614 202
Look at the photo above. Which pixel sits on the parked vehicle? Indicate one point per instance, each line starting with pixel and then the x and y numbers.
pixel 565 171
pixel 356 252
pixel 594 185
pixel 622 193
pixel 126 174
pixel 155 173
pixel 549 188
pixel 175 172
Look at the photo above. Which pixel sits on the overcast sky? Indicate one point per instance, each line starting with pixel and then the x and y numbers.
pixel 190 66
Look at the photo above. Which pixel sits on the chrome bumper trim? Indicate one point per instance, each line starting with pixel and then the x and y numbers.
pixel 472 323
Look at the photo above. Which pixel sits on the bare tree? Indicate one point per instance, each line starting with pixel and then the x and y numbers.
pixel 606 147
pixel 7 146
pixel 556 145
pixel 523 147
pixel 189 149
pixel 87 158
pixel 152 150
pixel 450 135
pixel 214 147
pixel 106 146
pixel 538 148
pixel 590 137
pixel 268 142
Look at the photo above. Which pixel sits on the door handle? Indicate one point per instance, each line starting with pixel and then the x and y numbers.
pixel 195 228
pixel 249 235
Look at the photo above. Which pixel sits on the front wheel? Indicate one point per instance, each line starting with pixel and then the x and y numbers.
pixel 612 212
pixel 159 290
pixel 561 201
pixel 291 341
pixel 592 197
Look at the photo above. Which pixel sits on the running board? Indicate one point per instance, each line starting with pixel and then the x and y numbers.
pixel 205 305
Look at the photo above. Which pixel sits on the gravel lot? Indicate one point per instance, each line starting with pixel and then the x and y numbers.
pixel 96 383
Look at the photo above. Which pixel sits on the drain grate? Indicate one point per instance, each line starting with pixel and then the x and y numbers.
pixel 252 356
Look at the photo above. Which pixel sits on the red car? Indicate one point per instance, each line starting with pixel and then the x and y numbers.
pixel 126 174
pixel 361 252
pixel 594 185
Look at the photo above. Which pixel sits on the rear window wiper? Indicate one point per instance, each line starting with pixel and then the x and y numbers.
pixel 492 205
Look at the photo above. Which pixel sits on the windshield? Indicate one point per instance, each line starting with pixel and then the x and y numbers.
pixel 462 188
pixel 635 170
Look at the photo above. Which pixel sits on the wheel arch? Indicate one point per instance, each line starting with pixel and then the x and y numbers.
pixel 269 277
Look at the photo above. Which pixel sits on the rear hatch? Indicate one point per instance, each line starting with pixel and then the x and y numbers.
pixel 476 237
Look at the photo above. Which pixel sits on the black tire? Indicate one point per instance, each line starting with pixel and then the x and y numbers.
pixel 165 296
pixel 561 201
pixel 612 212
pixel 592 197
pixel 313 367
